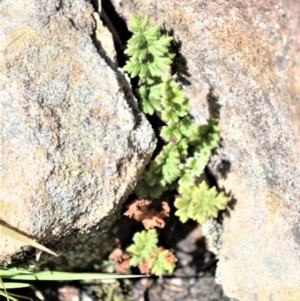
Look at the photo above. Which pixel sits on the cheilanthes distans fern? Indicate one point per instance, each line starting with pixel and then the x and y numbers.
pixel 188 145
pixel 182 160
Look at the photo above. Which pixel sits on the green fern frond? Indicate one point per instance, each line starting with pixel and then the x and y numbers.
pixel 188 145
pixel 159 265
pixel 169 160
pixel 145 243
pixel 174 102
pixel 148 49
pixel 193 168
pixel 145 248
pixel 204 137
pixel 162 171
pixel 199 202
pixel 169 132
pixel 144 190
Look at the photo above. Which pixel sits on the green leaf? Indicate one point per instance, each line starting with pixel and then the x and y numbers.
pixel 155 69
pixel 144 23
pixel 145 242
pixel 193 167
pixel 182 204
pixel 153 32
pixel 187 178
pixel 170 131
pixel 159 264
pixel 144 190
pixel 169 115
pixel 184 125
pixel 135 23
pixel 133 67
pixel 182 146
pixel 169 159
pixel 204 137
pixel 199 202
pixel 174 102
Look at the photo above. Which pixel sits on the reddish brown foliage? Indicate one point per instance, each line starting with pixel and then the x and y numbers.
pixel 170 258
pixel 144 267
pixel 139 210
pixel 121 260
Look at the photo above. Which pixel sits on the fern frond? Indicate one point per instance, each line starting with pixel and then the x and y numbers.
pixel 162 262
pixel 144 190
pixel 203 137
pixel 145 250
pixel 148 49
pixel 174 102
pixel 193 168
pixel 199 202
pixel 145 243
pixel 169 160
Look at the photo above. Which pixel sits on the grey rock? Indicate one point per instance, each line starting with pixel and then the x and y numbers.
pixel 73 143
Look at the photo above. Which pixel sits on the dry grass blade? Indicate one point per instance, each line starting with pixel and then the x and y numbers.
pixel 16 235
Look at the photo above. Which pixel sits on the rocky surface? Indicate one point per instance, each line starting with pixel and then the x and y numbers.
pixel 242 61
pixel 73 142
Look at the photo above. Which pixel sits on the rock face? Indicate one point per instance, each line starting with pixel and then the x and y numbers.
pixel 245 56
pixel 73 142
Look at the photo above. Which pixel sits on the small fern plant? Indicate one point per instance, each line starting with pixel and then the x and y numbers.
pixel 149 59
pixel 182 160
pixel 148 257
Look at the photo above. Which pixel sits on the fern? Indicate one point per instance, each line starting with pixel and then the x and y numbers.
pixel 144 251
pixel 174 102
pixel 148 49
pixel 182 160
pixel 183 137
pixel 161 172
pixel 145 243
pixel 163 261
pixel 193 168
pixel 199 202
pixel 149 59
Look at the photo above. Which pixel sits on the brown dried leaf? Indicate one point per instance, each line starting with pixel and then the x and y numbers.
pixel 153 219
pixel 144 267
pixel 165 209
pixel 116 254
pixel 137 209
pixel 121 260
pixel 123 266
pixel 170 258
